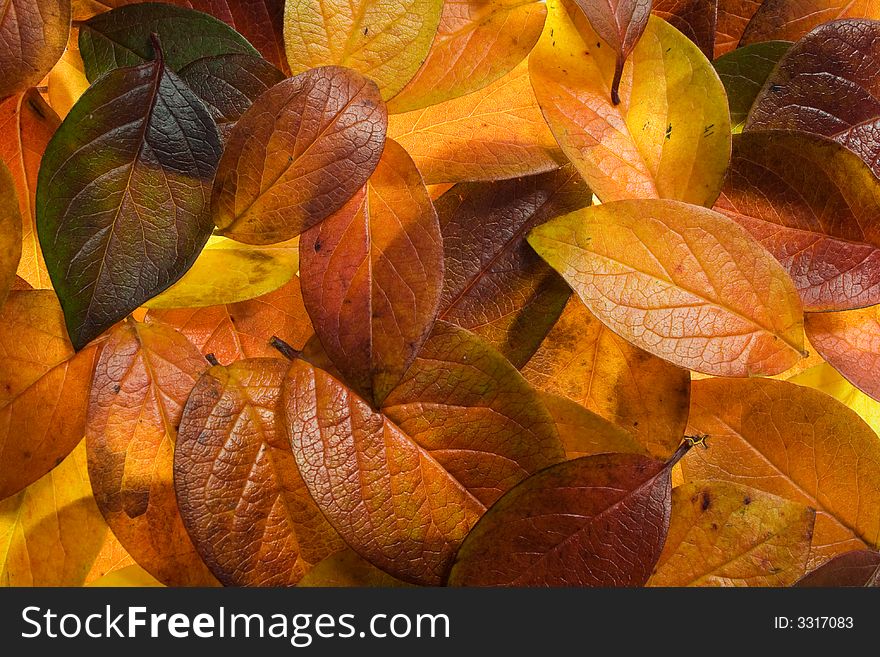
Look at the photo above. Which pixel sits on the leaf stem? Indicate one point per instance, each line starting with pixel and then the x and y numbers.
pixel 283 348
pixel 211 358
pixel 683 449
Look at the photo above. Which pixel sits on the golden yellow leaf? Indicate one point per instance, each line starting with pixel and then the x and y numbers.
pixel 129 576
pixel 10 232
pixel 67 80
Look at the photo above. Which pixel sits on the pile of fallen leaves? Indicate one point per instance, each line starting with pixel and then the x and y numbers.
pixel 466 292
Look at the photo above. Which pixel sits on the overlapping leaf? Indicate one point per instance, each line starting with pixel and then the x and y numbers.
pixel 33 34
pixel 582 360
pixel 240 493
pixel 856 568
pixel 495 285
pixel 122 37
pixel 594 521
pixel 732 20
pixel 696 19
pixel 372 275
pixel 679 281
pixel 670 135
pixel 404 487
pixel 792 19
pixel 386 40
pixel 10 232
pixel 347 569
pixel 477 42
pixel 44 389
pixel 797 443
pixel 123 182
pixel 813 205
pixel 722 534
pixel 27 124
pixel 142 380
pixel 491 134
pixel 298 155
pixel 827 85
pixel 743 73
pixel 850 341
pixel 235 331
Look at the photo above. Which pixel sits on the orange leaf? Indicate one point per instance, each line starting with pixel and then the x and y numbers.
pixel 10 233
pixel 240 493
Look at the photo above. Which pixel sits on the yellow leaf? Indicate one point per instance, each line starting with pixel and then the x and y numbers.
pixel 126 577
pixel 67 80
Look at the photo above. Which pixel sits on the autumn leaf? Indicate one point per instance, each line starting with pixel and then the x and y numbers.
pixel 696 19
pixel 386 40
pixel 67 80
pixel 141 185
pixel 797 443
pixel 347 569
pixel 142 380
pixel 10 232
pixel 52 534
pixel 26 126
pixel 403 487
pixel 372 275
pixel 723 534
pixel 825 378
pixel 495 285
pixel 850 342
pixel 122 38
pixel 240 493
pixel 669 137
pixel 491 134
pixel 33 34
pixel 743 73
pixel 227 272
pixel 593 521
pixel 812 204
pixel 129 576
pixel 582 360
pixel 229 84
pixel 477 42
pixel 270 188
pixel 792 19
pixel 826 85
pixel 733 18
pixel 44 389
pixel 681 282
pixel 235 331
pixel 856 568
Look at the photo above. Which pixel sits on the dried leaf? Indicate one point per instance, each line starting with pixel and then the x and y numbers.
pixel 270 187
pixel 792 19
pixel 723 534
pixel 122 181
pixel 856 568
pixel 594 521
pixel 681 282
pixel 743 73
pixel 227 272
pixel 122 38
pixel 386 40
pixel 732 20
pixel 827 85
pixel 478 42
pixel 696 19
pixel 670 135
pixel 44 389
pixel 141 382
pixel 495 285
pixel 492 134
pixel 33 34
pixel 27 124
pixel 812 204
pixel 347 569
pixel 850 342
pixel 10 232
pixel 582 360
pixel 797 443
pixel 372 275
pixel 235 331
pixel 240 494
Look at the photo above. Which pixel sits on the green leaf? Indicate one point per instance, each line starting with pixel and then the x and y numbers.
pixel 123 195
pixel 121 37
pixel 743 73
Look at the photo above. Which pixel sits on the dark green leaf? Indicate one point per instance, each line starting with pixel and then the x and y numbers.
pixel 743 73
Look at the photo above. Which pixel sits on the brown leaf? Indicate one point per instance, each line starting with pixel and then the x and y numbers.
pixel 856 568
pixel 372 275
pixel 797 443
pixel 696 19
pixel 300 152
pixel 141 382
pixel 733 18
pixel 827 85
pixel 240 493
pixel 722 534
pixel 44 389
pixel 582 360
pixel 594 521
pixel 241 330
pixel 789 20
pixel 850 342
pixel 33 34
pixel 27 124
